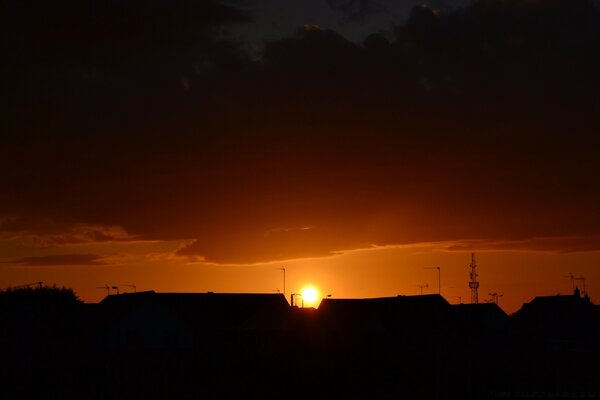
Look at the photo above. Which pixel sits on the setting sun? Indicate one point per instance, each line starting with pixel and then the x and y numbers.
pixel 310 295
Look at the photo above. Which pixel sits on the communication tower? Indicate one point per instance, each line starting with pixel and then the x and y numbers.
pixel 473 283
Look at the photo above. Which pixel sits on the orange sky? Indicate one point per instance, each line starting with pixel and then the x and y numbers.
pixel 165 152
pixel 388 271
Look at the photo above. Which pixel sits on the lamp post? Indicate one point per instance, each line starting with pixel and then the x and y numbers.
pixel 439 278
pixel 283 269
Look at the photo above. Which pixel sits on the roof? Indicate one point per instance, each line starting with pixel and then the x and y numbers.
pixel 481 317
pixel 555 304
pixel 394 313
pixel 210 298
pixel 203 309
pixel 431 301
pixel 480 310
pixel 564 311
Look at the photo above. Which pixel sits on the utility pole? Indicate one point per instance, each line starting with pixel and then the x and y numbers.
pixel 473 283
pixel 283 269
pixel 439 270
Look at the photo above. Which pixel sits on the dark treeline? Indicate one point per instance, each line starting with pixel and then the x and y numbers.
pixel 207 345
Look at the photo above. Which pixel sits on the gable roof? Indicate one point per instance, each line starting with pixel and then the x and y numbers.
pixel 240 300
pixel 480 310
pixel 480 318
pixel 207 309
pixel 431 301
pixel 392 313
pixel 561 313
pixel 558 304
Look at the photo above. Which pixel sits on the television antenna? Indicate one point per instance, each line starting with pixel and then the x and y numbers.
pixel 495 297
pixel 131 286
pixel 105 287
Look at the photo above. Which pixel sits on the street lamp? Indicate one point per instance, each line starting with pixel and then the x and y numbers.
pixel 283 269
pixel 439 278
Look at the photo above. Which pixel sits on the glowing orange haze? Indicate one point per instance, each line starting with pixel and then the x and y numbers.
pixel 115 172
pixel 518 276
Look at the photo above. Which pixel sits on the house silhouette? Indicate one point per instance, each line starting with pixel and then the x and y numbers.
pixel 232 345
pixel 190 320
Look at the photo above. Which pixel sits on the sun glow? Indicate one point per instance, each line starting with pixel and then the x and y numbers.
pixel 310 295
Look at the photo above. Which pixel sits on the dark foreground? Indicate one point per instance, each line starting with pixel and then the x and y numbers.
pixel 203 346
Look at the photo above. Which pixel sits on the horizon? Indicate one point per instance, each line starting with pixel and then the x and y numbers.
pixel 195 146
pixel 258 279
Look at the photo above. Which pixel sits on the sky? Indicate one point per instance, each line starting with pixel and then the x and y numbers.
pixel 200 145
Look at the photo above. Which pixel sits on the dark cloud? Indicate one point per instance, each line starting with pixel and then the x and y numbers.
pixel 545 244
pixel 475 124
pixel 96 66
pixel 60 260
pixel 50 233
pixel 102 34
pixel 354 10
pixel 271 245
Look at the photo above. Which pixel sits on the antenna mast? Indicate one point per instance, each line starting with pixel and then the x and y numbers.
pixel 131 286
pixel 473 283
pixel 582 279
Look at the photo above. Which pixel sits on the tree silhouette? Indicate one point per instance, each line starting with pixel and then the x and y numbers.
pixel 48 295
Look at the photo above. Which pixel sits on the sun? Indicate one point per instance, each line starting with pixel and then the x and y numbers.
pixel 310 295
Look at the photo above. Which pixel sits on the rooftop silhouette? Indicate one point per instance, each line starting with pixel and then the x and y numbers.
pixel 189 345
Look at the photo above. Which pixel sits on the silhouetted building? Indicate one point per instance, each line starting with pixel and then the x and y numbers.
pixel 567 323
pixel 481 321
pixel 191 320
pixel 213 345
